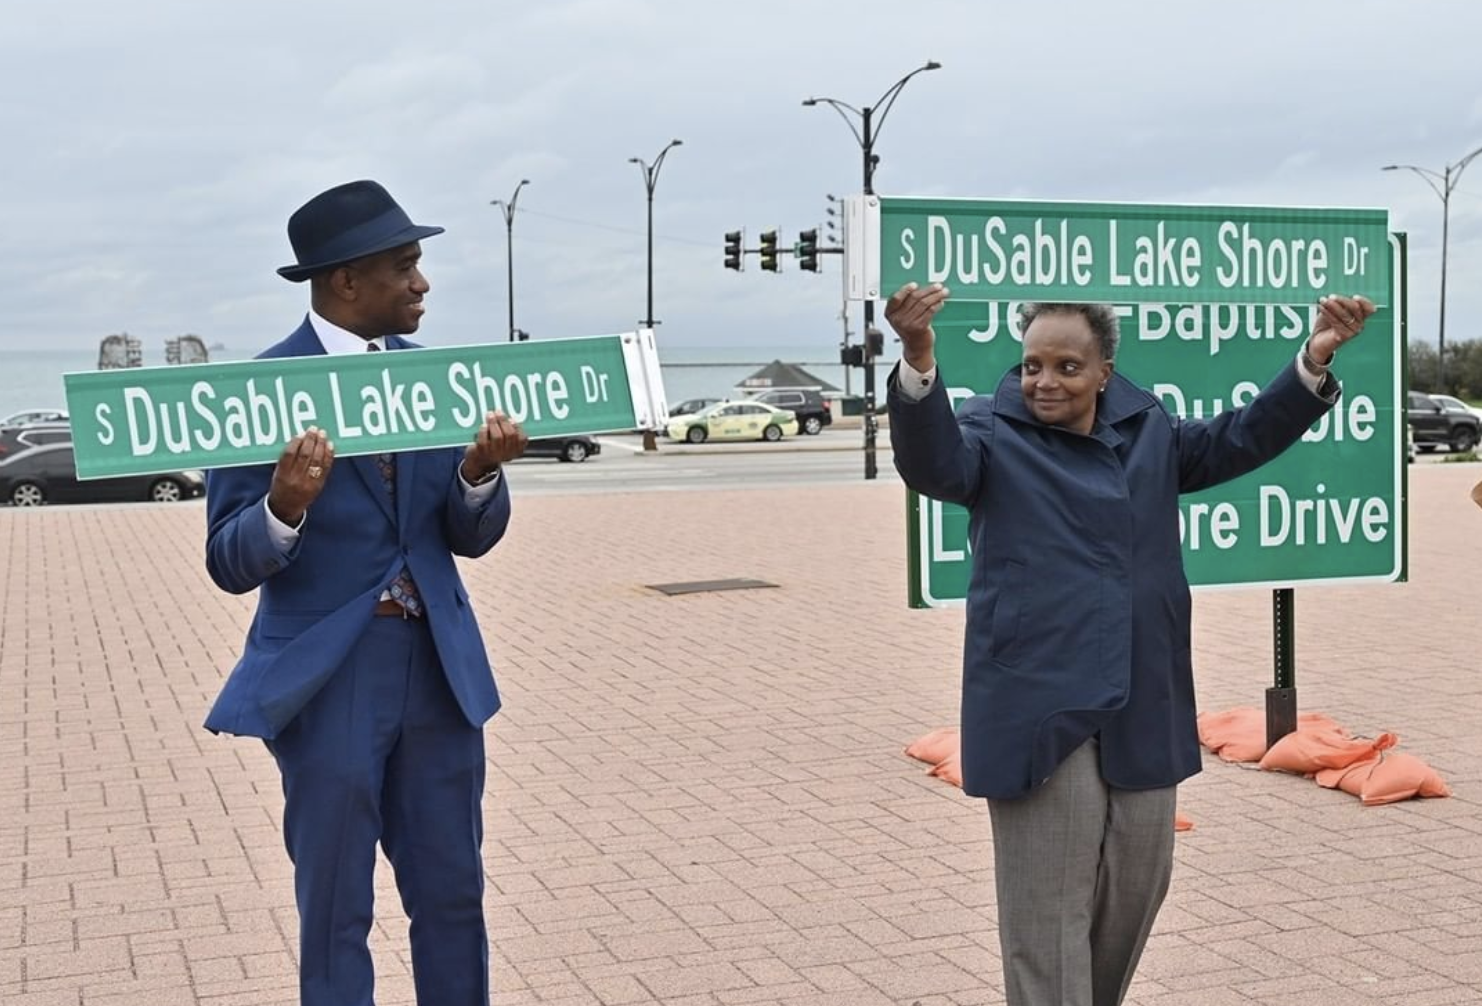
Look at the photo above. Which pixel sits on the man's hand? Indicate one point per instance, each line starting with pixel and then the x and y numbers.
pixel 303 469
pixel 1339 319
pixel 910 312
pixel 499 440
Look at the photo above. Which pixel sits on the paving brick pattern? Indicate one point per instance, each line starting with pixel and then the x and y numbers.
pixel 701 800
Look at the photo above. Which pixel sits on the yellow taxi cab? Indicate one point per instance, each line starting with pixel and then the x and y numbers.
pixel 734 421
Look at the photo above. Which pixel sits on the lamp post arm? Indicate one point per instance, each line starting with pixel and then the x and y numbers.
pixel 659 163
pixel 888 98
pixel 843 108
pixel 1461 166
pixel 647 173
pixel 1426 175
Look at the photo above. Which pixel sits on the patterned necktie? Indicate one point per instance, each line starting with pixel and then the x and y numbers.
pixel 403 590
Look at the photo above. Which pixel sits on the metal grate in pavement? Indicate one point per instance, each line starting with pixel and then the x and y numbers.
pixel 702 586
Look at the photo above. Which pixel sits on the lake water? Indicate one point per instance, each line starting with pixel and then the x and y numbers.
pixel 32 378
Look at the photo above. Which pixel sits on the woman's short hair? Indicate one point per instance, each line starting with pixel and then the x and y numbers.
pixel 1102 319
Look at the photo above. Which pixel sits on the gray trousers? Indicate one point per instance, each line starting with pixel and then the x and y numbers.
pixel 1081 870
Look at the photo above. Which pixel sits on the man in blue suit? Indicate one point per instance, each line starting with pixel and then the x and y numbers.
pixel 364 670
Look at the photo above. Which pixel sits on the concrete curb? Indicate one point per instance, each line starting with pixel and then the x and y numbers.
pixel 672 448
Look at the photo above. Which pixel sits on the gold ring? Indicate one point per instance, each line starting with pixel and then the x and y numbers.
pixel 315 471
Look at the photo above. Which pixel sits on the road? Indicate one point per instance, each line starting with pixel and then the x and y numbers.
pixel 832 457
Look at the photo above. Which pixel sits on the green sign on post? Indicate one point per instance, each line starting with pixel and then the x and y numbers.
pixel 155 419
pixel 1329 509
pixel 1125 253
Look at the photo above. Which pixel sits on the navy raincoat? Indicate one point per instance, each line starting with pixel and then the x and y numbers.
pixel 1078 608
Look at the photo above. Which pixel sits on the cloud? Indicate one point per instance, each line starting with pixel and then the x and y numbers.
pixel 156 151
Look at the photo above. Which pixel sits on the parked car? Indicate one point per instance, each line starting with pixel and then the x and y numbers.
pixel 810 408
pixel 570 448
pixel 1437 424
pixel 48 474
pixel 28 417
pixel 690 406
pixel 14 439
pixel 734 421
pixel 1458 403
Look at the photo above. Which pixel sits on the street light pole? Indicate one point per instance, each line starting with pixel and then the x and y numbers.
pixel 508 209
pixel 1448 179
pixel 865 135
pixel 650 180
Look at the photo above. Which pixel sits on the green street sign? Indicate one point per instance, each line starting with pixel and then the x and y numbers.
pixel 1330 509
pixel 155 419
pixel 1119 252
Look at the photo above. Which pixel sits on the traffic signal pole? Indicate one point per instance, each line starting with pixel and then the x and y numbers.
pixel 871 468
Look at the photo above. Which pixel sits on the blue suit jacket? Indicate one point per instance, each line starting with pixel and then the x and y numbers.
pixel 314 603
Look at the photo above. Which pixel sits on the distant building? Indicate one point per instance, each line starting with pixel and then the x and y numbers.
pixel 117 352
pixel 785 375
pixel 186 349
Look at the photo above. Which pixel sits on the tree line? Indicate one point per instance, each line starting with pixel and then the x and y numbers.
pixel 1463 369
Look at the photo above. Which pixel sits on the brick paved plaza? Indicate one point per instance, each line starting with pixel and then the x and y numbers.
pixel 701 800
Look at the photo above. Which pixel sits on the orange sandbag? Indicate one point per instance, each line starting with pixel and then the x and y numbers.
pixel 1400 776
pixel 1310 749
pixel 1350 778
pixel 1239 734
pixel 949 769
pixel 1220 729
pixel 1237 730
pixel 935 747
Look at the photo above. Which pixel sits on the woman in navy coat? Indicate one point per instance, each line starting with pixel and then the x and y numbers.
pixel 1078 717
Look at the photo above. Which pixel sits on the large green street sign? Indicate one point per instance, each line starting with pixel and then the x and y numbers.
pixel 1125 253
pixel 1213 302
pixel 155 419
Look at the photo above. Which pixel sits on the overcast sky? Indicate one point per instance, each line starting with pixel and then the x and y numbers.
pixel 154 149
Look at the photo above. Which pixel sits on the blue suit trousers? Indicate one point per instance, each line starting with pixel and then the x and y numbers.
pixel 384 754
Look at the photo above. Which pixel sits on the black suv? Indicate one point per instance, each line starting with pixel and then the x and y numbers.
pixel 1436 423
pixel 810 408
pixel 14 439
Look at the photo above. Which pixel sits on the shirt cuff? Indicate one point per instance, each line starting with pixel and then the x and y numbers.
pixel 475 496
pixel 912 384
pixel 283 536
pixel 1313 378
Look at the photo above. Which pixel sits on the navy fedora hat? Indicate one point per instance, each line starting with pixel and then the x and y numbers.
pixel 345 223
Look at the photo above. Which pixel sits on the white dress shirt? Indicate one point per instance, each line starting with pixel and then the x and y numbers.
pixel 336 341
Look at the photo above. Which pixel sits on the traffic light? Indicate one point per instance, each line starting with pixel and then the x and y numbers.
pixel 808 250
pixel 769 251
pixel 734 258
